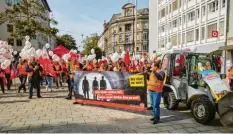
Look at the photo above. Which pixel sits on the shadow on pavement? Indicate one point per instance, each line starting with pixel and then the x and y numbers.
pixel 14 101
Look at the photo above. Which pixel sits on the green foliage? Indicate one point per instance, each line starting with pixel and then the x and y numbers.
pixel 92 43
pixel 25 17
pixel 67 41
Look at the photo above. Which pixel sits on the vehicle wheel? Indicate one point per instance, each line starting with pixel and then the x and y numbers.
pixel 203 110
pixel 170 101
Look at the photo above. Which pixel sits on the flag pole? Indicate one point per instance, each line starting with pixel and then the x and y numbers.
pixel 136 29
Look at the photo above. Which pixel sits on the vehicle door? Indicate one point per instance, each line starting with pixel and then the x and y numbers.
pixel 179 74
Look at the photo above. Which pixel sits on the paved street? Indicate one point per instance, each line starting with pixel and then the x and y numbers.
pixel 53 113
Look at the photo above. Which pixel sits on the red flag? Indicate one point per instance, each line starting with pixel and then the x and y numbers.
pixel 127 58
pixel 47 66
pixel 13 73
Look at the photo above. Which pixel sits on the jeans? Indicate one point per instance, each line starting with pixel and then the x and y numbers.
pixel 23 79
pixel 150 96
pixel 156 99
pixel 49 81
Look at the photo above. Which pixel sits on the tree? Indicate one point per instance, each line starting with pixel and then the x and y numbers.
pixel 28 19
pixel 92 43
pixel 67 41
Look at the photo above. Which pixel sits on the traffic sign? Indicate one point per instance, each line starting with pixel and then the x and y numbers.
pixel 215 34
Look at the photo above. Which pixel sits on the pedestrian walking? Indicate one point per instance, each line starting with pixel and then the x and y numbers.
pixel 21 68
pixel 155 86
pixel 34 77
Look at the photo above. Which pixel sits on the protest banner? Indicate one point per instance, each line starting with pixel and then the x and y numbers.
pixel 111 89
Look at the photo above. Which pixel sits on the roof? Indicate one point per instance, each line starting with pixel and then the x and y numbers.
pixel 143 11
pixel 45 2
pixel 128 5
pixel 115 16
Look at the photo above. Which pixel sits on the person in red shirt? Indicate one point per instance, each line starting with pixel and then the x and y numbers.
pixel 8 76
pixel 22 74
pixel 2 75
pixel 58 70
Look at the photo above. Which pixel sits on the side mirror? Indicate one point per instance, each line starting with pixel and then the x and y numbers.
pixel 199 76
pixel 223 76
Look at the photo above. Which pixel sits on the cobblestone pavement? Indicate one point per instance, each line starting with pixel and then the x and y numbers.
pixel 53 113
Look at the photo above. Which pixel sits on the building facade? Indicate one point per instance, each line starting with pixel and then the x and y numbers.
pixel 187 23
pixel 119 33
pixel 37 42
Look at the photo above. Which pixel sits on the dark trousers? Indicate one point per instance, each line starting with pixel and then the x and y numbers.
pixel 2 84
pixel 33 84
pixel 9 81
pixel 231 84
pixel 59 80
pixel 70 87
pixel 23 79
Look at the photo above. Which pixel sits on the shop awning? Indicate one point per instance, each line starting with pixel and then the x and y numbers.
pixel 230 47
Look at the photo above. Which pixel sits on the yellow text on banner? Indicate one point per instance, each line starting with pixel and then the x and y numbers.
pixel 136 81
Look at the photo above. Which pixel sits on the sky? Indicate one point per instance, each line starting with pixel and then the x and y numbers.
pixel 77 17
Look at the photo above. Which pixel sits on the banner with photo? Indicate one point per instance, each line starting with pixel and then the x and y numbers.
pixel 111 89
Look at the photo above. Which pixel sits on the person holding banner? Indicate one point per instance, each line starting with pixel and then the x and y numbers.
pixel 155 86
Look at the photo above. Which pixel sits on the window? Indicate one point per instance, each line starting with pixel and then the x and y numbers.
pixel 179 39
pixel 137 48
pixel 184 19
pixel 11 41
pixel 191 16
pixel 202 33
pixel 197 34
pixel 174 40
pixel 223 3
pixel 221 28
pixel 198 13
pixel 19 42
pixel 9 2
pixel 175 5
pixel 34 37
pixel 128 38
pixel 161 44
pixel 146 25
pixel 10 28
pixel 128 28
pixel 162 29
pixel 145 47
pixel 174 23
pixel 120 38
pixel 211 28
pixel 180 21
pixel 162 12
pixel 120 29
pixel 17 1
pixel 213 6
pixel 190 36
pixel 183 37
pixel 203 11
pixel 138 26
pixel 128 12
pixel 145 36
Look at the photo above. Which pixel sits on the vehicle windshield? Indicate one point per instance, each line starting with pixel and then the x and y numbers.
pixel 200 62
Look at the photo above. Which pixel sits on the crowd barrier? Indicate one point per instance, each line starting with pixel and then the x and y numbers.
pixel 111 89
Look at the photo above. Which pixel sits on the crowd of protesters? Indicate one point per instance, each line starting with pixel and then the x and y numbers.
pixel 31 72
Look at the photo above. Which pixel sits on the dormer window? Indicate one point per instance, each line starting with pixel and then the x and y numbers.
pixel 128 12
